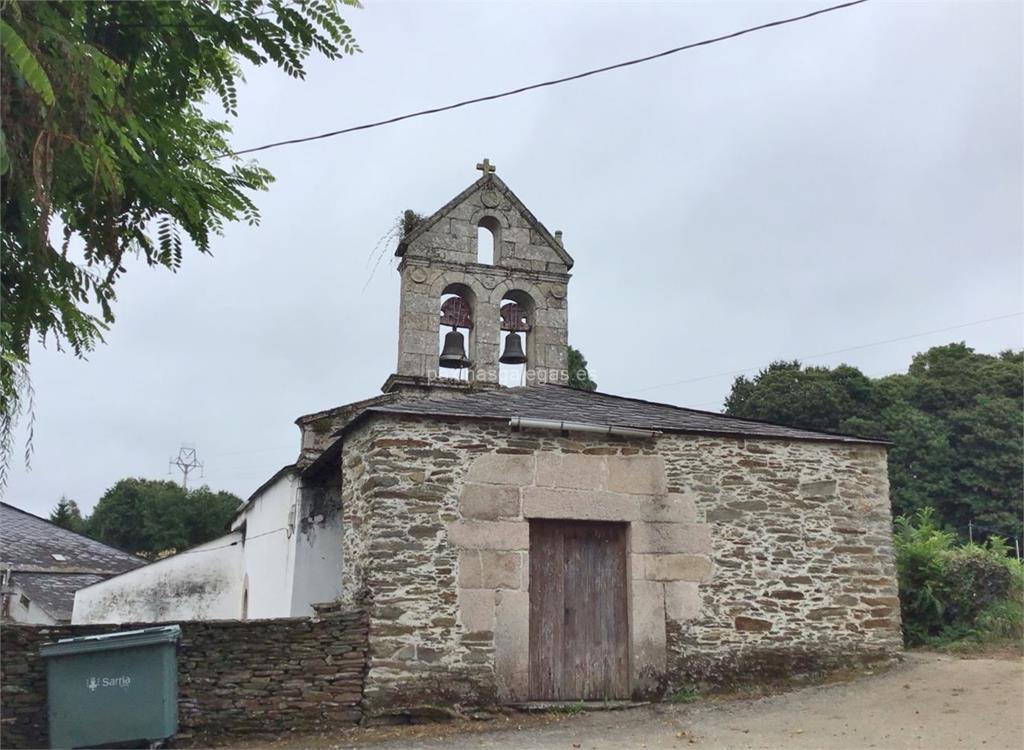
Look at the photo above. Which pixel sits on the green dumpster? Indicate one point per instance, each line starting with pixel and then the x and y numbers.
pixel 117 687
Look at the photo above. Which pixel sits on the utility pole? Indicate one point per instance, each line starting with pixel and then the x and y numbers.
pixel 970 531
pixel 187 462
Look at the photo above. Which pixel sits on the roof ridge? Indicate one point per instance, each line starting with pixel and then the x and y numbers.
pixel 718 414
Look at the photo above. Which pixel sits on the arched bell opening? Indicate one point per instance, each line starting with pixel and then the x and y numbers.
pixel 455 333
pixel 517 311
pixel 488 240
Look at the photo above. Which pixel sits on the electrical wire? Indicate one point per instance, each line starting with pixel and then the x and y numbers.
pixel 827 354
pixel 554 82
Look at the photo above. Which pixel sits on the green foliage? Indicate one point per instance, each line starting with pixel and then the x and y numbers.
pixel 685 695
pixel 975 579
pixel 151 517
pixel 953 594
pixel 579 378
pixel 25 63
pixel 67 515
pixel 409 221
pixel 921 548
pixel 955 418
pixel 815 398
pixel 107 146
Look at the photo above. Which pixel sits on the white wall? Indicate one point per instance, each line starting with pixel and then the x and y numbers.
pixel 32 614
pixel 318 558
pixel 203 583
pixel 282 556
pixel 269 554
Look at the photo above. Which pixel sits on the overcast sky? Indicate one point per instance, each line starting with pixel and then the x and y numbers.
pixel 833 183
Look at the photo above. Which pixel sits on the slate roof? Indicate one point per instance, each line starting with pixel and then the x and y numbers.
pixel 28 544
pixel 55 592
pixel 564 404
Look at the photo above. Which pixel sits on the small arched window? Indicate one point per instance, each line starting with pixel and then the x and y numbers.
pixel 488 240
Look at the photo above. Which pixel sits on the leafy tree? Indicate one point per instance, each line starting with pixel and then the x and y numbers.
pixel 815 398
pixel 106 151
pixel 150 517
pixel 579 377
pixel 67 515
pixel 956 420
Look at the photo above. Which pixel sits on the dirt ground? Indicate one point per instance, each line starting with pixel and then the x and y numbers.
pixel 930 701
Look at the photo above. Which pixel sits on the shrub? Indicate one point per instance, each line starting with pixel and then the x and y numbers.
pixel 947 594
pixel 921 548
pixel 974 580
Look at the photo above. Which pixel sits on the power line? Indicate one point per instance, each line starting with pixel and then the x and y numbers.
pixel 827 354
pixel 554 82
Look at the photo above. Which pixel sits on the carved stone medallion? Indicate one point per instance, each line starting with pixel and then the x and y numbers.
pixel 490 198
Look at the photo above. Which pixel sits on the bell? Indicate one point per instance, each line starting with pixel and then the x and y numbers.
pixel 453 354
pixel 513 354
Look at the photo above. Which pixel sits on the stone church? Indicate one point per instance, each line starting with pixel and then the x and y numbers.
pixel 544 543
pixel 538 542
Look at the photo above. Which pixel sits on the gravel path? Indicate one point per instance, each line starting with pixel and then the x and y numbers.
pixel 930 701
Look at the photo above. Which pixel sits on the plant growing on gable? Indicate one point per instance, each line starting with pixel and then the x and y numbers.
pixel 106 151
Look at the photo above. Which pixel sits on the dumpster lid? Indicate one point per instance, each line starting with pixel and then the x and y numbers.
pixel 112 641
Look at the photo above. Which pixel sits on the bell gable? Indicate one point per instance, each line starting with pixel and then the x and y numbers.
pixel 520 240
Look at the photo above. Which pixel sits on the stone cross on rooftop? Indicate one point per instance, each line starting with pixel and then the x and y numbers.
pixel 486 167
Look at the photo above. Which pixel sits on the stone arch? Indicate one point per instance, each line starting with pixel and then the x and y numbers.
pixel 497 294
pixel 482 213
pixel 466 292
pixel 526 307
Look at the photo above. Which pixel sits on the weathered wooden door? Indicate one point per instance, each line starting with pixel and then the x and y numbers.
pixel 579 634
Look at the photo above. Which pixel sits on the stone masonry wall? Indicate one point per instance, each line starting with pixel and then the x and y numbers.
pixel 235 678
pixel 775 557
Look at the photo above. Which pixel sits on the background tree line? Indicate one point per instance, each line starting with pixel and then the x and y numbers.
pixel 151 517
pixel 956 420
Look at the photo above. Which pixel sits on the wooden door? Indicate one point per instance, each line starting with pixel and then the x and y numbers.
pixel 579 634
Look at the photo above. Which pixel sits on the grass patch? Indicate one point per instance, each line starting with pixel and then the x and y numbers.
pixel 567 709
pixel 685 695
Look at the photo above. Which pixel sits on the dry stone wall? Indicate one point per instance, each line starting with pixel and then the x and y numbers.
pixel 235 678
pixel 748 557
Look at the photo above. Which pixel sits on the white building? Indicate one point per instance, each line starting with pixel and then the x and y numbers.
pixel 42 565
pixel 281 555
